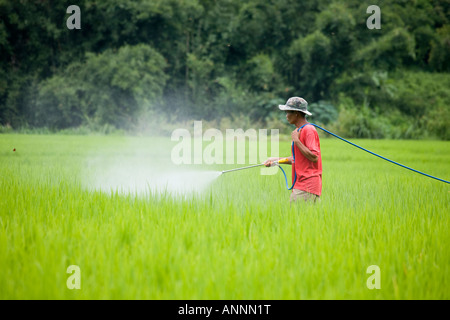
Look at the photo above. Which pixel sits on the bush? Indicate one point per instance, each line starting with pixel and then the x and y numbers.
pixel 408 105
pixel 113 88
pixel 6 129
pixel 323 112
pixel 438 122
pixel 356 124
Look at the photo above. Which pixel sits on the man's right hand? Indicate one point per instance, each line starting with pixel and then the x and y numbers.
pixel 270 161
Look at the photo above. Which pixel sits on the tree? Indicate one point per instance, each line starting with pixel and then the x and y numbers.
pixel 114 88
pixel 314 75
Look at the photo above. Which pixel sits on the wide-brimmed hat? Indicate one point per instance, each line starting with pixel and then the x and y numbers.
pixel 296 104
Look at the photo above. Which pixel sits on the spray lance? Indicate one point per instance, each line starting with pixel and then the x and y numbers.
pixel 274 163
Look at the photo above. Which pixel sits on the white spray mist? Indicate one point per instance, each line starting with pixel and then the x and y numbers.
pixel 133 169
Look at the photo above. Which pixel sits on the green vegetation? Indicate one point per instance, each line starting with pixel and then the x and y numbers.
pixel 139 65
pixel 238 239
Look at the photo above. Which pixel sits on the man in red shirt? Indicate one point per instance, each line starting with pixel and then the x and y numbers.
pixel 306 160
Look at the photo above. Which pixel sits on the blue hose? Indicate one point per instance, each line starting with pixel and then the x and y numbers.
pixel 355 145
pixel 293 163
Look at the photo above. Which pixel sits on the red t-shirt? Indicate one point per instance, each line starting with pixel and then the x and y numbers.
pixel 309 174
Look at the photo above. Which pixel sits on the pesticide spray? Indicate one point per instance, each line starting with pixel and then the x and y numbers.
pixel 140 167
pixel 142 179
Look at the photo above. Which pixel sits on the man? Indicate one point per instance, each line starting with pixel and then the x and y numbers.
pixel 307 166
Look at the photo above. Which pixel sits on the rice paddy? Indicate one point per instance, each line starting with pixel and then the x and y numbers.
pixel 235 237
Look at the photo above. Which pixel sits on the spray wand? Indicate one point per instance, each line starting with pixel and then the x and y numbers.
pixel 274 163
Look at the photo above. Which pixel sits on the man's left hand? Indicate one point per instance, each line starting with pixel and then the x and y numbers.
pixel 294 135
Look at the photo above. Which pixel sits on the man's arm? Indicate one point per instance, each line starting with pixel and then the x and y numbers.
pixel 303 149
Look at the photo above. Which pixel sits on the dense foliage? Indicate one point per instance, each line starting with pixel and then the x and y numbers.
pixel 149 63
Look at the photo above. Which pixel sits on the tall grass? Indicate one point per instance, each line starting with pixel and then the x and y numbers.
pixel 238 239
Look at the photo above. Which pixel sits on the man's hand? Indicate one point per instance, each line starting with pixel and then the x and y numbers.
pixel 294 135
pixel 304 150
pixel 268 162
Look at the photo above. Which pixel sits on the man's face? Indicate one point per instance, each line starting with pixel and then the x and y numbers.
pixel 291 116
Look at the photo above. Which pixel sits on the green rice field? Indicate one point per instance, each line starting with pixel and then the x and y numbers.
pixel 89 201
